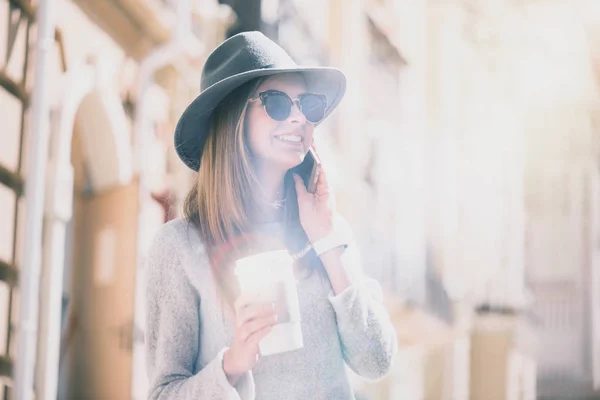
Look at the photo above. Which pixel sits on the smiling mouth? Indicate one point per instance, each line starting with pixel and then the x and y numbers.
pixel 289 138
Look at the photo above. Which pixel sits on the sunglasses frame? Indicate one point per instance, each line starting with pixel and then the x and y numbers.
pixel 263 95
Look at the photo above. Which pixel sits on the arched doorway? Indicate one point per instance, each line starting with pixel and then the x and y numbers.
pixel 89 224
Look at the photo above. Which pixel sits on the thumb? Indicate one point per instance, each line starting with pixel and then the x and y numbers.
pixel 300 187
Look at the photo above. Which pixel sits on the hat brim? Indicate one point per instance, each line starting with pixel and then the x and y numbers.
pixel 192 127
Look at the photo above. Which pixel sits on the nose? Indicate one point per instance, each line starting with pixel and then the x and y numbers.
pixel 296 116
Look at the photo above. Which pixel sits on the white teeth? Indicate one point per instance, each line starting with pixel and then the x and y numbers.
pixel 290 138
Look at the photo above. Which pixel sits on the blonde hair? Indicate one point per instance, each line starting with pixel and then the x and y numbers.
pixel 224 197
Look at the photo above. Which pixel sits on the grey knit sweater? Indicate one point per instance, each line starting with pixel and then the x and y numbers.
pixel 187 331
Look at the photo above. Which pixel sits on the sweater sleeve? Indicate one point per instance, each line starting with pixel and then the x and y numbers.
pixel 368 338
pixel 173 333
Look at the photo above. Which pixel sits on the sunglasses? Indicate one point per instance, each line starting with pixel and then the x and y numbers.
pixel 278 105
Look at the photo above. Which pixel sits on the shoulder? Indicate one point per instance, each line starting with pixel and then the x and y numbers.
pixel 167 271
pixel 175 247
pixel 174 237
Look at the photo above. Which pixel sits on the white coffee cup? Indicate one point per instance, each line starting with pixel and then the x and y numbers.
pixel 269 278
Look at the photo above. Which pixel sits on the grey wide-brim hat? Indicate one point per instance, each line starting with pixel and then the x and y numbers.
pixel 237 60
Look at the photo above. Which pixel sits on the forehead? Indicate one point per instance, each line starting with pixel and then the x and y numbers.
pixel 293 84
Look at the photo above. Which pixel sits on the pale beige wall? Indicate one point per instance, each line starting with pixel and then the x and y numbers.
pixel 84 40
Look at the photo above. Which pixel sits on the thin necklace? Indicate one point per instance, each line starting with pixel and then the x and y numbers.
pixel 279 203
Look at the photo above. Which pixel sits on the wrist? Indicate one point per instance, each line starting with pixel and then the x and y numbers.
pixel 230 372
pixel 320 234
pixel 336 270
pixel 333 241
pixel 332 252
pixel 319 228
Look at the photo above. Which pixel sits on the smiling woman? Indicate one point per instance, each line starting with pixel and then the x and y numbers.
pixel 245 134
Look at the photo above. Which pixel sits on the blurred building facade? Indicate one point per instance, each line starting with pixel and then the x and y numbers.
pixel 118 74
pixel 465 156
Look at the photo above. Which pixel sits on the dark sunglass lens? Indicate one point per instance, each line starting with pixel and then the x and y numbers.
pixel 313 107
pixel 277 106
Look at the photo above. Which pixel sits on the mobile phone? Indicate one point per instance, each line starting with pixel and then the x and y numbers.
pixel 309 170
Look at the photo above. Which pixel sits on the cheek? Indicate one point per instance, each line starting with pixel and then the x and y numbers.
pixel 258 130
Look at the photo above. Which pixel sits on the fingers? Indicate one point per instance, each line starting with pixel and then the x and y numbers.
pixel 257 336
pixel 255 325
pixel 300 187
pixel 244 300
pixel 254 311
pixel 322 182
pixel 317 175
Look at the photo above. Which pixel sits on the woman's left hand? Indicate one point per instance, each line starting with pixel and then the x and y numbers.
pixel 317 210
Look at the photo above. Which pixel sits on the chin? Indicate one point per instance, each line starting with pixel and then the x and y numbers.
pixel 284 160
pixel 288 159
pixel 295 161
pixel 290 164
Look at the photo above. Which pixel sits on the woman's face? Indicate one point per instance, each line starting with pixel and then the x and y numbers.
pixel 279 144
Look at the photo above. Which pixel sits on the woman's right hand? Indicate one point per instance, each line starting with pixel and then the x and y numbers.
pixel 253 322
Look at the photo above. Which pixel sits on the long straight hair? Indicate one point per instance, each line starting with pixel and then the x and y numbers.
pixel 224 197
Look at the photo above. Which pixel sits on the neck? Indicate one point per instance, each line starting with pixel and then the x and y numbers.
pixel 272 193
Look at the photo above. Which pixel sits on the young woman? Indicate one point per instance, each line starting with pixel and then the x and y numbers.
pixel 245 134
